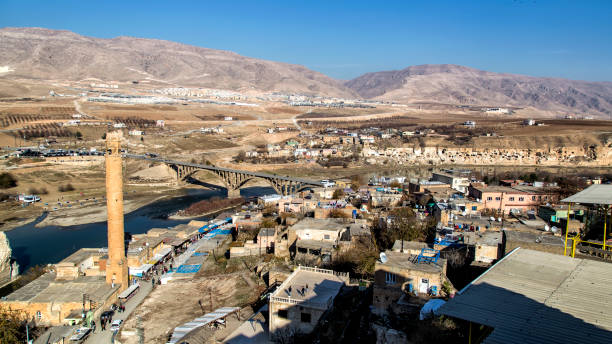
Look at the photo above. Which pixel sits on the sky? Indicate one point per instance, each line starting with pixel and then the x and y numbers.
pixel 344 39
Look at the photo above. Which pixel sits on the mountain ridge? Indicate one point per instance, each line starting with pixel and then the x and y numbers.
pixel 40 53
pixel 455 84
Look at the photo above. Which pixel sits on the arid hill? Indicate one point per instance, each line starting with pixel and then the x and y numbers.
pixel 454 84
pixel 35 53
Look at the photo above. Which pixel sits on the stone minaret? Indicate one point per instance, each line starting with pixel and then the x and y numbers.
pixel 116 265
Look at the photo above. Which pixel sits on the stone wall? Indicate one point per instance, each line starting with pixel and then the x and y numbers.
pixel 547 156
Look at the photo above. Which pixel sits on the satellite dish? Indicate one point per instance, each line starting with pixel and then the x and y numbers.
pixel 546 228
pixel 383 257
pixel 499 219
pixel 492 219
pixel 463 213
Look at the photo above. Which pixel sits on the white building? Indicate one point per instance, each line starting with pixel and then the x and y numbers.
pixel 228 118
pixel 136 132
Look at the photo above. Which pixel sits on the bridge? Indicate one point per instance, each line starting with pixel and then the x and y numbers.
pixel 233 179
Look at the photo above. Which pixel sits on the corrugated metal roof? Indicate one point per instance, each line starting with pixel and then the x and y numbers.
pixel 538 297
pixel 594 194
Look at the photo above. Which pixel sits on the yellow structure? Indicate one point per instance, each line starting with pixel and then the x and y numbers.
pixel 116 267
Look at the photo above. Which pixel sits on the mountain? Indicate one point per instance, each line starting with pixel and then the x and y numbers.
pixel 36 53
pixel 455 84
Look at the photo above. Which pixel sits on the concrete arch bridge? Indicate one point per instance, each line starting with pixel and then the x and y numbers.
pixel 233 179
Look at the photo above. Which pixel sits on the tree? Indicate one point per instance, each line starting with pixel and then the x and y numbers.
pixel 79 135
pixel 7 180
pixel 338 193
pixel 12 325
pixel 104 136
pixel 241 156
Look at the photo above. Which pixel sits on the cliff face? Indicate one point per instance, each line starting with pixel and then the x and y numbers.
pixel 578 156
pixel 8 268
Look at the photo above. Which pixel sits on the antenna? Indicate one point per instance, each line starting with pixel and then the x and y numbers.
pixel 383 257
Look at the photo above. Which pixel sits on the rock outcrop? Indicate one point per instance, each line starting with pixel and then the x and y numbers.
pixel 8 268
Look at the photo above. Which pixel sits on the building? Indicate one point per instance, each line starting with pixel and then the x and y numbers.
pixel 160 123
pixel 60 297
pixel 136 132
pixel 300 301
pixel 512 199
pixel 315 240
pixel 537 297
pixel 399 276
pixel 458 183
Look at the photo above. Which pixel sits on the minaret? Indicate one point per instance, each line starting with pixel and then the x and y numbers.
pixel 116 265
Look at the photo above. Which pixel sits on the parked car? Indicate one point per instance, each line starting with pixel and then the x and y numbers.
pixel 116 325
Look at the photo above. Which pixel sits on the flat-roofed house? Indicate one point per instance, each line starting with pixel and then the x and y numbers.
pixel 300 301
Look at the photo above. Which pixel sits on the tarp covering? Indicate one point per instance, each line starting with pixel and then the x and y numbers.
pixel 139 271
pixel 594 194
pixel 126 293
pixel 188 269
pixel 430 308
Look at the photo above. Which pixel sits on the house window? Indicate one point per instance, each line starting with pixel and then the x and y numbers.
pixel 512 198
pixel 282 313
pixel 390 278
pixel 474 207
pixel 326 236
pixel 489 198
pixel 38 315
pixel 498 198
pixel 521 199
pixel 305 317
pixel 533 198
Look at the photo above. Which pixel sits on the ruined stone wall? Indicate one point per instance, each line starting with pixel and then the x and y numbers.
pixel 547 156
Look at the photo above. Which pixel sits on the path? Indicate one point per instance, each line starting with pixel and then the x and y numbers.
pixel 107 335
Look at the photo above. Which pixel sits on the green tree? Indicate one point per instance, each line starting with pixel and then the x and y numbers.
pixel 79 135
pixel 338 193
pixel 104 136
pixel 12 325
pixel 7 180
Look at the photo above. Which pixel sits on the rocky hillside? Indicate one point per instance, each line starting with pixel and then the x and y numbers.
pixel 37 53
pixel 454 84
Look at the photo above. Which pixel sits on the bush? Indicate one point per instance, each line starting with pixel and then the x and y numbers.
pixel 65 188
pixel 338 193
pixel 35 191
pixel 7 180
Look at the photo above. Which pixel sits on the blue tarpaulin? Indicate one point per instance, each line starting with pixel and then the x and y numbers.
pixel 188 269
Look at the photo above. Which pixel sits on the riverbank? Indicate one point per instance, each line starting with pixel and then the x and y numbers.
pixel 191 217
pixel 95 213
pixel 207 207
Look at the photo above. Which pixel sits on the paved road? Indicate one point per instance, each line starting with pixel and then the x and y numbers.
pixel 107 335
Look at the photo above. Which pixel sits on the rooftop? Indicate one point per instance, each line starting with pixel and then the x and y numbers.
pixel 46 289
pixel 331 224
pixel 537 297
pixel 409 262
pixel 83 254
pixel 594 194
pixel 320 287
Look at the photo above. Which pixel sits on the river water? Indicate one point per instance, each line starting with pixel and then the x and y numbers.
pixel 40 246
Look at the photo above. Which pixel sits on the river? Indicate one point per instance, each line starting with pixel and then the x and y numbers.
pixel 41 246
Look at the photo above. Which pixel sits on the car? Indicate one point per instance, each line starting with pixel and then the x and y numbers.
pixel 116 325
pixel 328 183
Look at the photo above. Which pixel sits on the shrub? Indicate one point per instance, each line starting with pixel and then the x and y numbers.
pixel 65 188
pixel 7 180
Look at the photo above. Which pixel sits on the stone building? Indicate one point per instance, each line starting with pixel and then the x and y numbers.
pixel 74 285
pixel 403 275
pixel 300 301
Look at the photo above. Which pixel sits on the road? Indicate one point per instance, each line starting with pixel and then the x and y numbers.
pixel 107 336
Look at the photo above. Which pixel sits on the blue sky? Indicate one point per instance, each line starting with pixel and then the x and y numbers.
pixel 344 39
